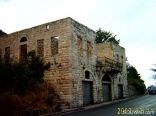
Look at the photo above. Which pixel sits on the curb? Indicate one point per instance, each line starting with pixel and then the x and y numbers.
pixel 89 107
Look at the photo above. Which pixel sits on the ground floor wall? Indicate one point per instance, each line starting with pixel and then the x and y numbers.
pixel 84 83
pixel 77 90
pixel 98 90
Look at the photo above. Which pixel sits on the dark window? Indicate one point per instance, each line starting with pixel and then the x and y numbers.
pixel 0 54
pixel 23 52
pixel 40 48
pixel 7 54
pixel 117 56
pixel 54 46
pixel 106 77
pixel 23 39
pixel 119 80
pixel 87 74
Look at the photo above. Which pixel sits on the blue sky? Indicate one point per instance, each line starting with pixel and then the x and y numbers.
pixel 133 21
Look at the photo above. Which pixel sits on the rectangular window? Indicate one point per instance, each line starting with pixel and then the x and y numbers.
pixel 23 52
pixel 54 46
pixel 40 48
pixel 7 55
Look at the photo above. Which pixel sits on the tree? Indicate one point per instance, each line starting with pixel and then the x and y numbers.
pixel 134 79
pixel 154 70
pixel 2 33
pixel 105 36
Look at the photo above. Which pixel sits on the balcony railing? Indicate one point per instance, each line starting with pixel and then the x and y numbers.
pixel 109 63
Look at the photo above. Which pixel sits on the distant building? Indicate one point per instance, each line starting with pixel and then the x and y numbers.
pixel 81 71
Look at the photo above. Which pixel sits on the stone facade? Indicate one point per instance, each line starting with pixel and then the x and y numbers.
pixel 77 63
pixel 111 60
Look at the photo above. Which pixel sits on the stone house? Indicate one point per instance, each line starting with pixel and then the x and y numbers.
pixel 81 71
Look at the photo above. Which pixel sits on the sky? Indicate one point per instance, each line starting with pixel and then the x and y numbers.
pixel 133 21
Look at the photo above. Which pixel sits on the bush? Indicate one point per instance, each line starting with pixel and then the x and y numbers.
pixel 18 77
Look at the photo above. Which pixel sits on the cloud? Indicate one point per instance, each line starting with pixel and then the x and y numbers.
pixel 4 0
pixel 33 12
pixel 8 20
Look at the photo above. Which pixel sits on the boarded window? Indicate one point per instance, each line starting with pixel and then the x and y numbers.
pixel 7 54
pixel 79 46
pixel 40 48
pixel 23 52
pixel 54 46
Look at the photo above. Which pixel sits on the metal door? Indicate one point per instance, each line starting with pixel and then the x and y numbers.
pixel 106 91
pixel 87 92
pixel 120 91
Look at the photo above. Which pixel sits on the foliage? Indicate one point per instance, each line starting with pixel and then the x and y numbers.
pixel 32 101
pixel 134 79
pixel 105 36
pixel 18 77
pixel 23 89
pixel 2 33
pixel 154 70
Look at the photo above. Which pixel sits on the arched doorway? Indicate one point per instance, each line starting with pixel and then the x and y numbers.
pixel 106 87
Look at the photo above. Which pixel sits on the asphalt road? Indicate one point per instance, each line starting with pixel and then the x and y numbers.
pixel 141 106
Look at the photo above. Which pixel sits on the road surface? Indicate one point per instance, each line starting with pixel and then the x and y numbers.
pixel 141 106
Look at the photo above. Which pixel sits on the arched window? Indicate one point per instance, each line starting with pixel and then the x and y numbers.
pixel 106 77
pixel 23 39
pixel 87 74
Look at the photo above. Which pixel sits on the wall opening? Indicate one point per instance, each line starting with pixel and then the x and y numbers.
pixel 87 75
pixel 7 55
pixel 23 52
pixel 54 45
pixel 40 48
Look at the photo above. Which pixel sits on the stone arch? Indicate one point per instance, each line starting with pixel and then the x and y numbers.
pixel 23 39
pixel 106 77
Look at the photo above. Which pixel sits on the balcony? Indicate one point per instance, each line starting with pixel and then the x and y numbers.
pixel 109 65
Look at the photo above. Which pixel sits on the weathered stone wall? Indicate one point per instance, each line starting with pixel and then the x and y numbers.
pixel 115 53
pixel 119 55
pixel 71 50
pixel 82 58
pixel 58 75
pixel 104 50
